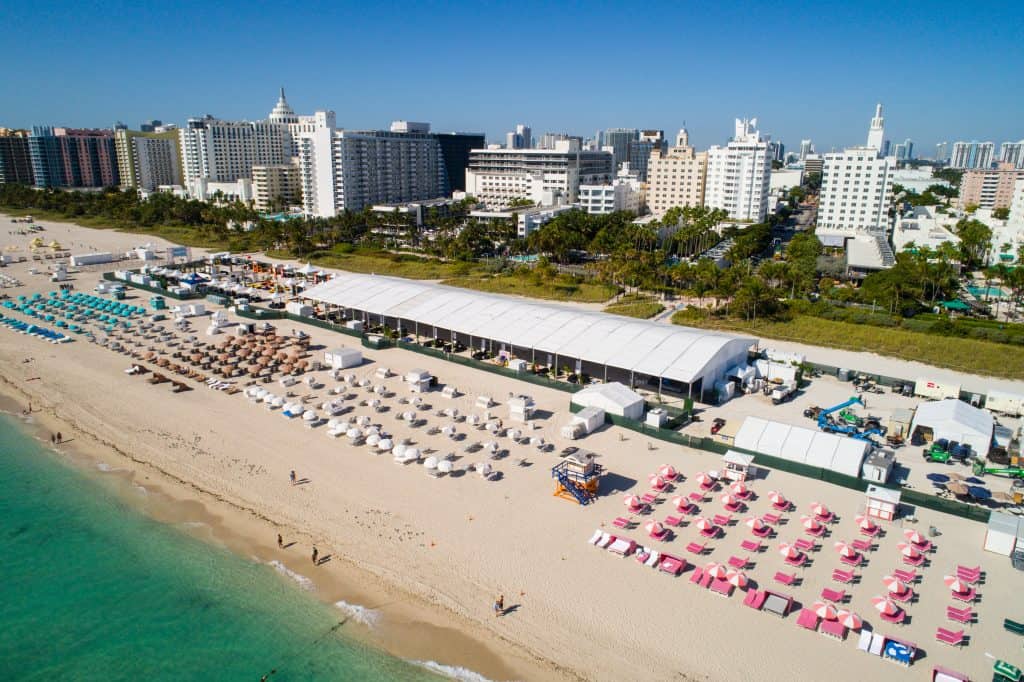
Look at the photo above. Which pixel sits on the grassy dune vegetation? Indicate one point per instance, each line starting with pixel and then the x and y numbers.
pixel 635 305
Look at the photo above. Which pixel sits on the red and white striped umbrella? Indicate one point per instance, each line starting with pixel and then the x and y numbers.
pixel 704 479
pixel 788 551
pixel 845 549
pixel 810 523
pixel 668 472
pixel 739 488
pixel 894 585
pixel 656 481
pixel 955 584
pixel 818 509
pixel 849 619
pixel 885 605
pixel 864 522
pixel 754 523
pixel 703 524
pixel 631 501
pixel 908 550
pixel 913 536
pixel 716 571
pixel 776 498
pixel 728 499
pixel 737 579
pixel 679 501
pixel 824 610
pixel 654 527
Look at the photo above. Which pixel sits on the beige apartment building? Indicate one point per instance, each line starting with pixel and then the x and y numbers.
pixel 676 177
pixel 276 186
pixel 989 188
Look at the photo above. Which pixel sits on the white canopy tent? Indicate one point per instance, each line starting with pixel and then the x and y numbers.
pixel 639 347
pixel 798 444
pixel 955 420
pixel 613 398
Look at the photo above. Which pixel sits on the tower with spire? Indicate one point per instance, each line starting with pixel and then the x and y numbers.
pixel 876 133
pixel 282 112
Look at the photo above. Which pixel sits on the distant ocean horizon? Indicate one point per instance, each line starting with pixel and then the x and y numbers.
pixel 93 589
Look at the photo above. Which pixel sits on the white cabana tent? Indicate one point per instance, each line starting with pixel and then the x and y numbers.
pixel 798 444
pixel 613 398
pixel 343 358
pixel 954 420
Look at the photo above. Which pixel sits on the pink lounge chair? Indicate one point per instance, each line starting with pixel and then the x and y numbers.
pixel 672 565
pixel 855 560
pixel 621 522
pixel 773 519
pixel 836 596
pixel 708 485
pixel 648 498
pixel 697 575
pixel 751 546
pixel 968 575
pixel 664 536
pixel 807 619
pixel 746 495
pixel 623 546
pixel 805 545
pixel 722 520
pixel 918 561
pixel 815 532
pixel 964 616
pixel 825 518
pixel 833 628
pixel 722 587
pixel 687 508
pixel 905 576
pixel 862 545
pixel 711 533
pixel 737 507
pixel 925 546
pixel 966 597
pixel 637 508
pixel 755 599
pixel 739 562
pixel 798 561
pixel 782 506
pixel 762 532
pixel 674 521
pixel 605 540
pixel 784 578
pixel 904 596
pixel 871 532
pixel 895 619
pixel 949 637
pixel 706 580
pixel 696 497
pixel 694 548
pixel 841 576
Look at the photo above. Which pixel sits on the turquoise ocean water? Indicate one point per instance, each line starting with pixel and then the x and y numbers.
pixel 91 589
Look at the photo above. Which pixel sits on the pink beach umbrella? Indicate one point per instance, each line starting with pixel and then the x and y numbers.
pixel 716 571
pixel 679 501
pixel 776 497
pixel 788 551
pixel 864 522
pixel 656 481
pixel 845 549
pixel 885 605
pixel 703 479
pixel 955 584
pixel 913 536
pixel 754 523
pixel 818 509
pixel 849 619
pixel 668 472
pixel 810 523
pixel 908 550
pixel 729 500
pixel 824 610
pixel 736 579
pixel 653 527
pixel 703 524
pixel 894 585
pixel 631 501
pixel 739 488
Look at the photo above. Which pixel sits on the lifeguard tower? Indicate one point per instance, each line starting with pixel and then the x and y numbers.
pixel 577 476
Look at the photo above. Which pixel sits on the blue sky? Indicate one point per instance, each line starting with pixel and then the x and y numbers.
pixel 943 70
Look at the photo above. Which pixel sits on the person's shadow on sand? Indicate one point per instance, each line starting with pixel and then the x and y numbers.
pixel 510 609
pixel 323 560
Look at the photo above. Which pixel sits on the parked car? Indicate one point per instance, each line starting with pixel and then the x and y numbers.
pixel 717 425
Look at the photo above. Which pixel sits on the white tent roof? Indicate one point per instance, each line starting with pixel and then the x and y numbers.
pixel 661 350
pixel 798 444
pixel 956 420
pixel 612 392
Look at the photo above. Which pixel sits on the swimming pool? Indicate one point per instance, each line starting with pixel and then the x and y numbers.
pixel 980 292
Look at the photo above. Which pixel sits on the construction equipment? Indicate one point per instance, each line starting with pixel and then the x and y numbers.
pixel 845 426
pixel 1013 472
pixel 937 451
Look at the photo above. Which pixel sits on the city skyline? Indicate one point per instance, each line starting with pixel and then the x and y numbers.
pixel 810 84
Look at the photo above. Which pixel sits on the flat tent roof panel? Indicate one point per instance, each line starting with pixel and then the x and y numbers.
pixel 661 361
pixel 642 345
pixel 798 442
pixel 772 439
pixel 849 456
pixel 749 433
pixel 546 326
pixel 823 450
pixel 557 342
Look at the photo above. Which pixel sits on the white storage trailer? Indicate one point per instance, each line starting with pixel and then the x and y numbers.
pixel 343 358
pixel 91 258
pixel 1005 402
pixel 927 388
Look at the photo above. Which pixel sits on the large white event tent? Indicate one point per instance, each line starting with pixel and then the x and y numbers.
pixel 806 446
pixel 954 419
pixel 605 346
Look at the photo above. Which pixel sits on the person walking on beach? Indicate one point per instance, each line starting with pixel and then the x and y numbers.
pixel 280 541
pixel 291 476
pixel 316 555
pixel 60 438
pixel 499 606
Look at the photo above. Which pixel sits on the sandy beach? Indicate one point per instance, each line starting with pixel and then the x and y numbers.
pixel 428 555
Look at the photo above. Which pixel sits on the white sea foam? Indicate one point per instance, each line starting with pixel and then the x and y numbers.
pixel 103 466
pixel 140 489
pixel 359 613
pixel 453 672
pixel 304 582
